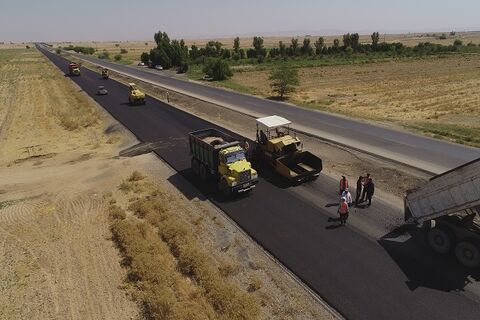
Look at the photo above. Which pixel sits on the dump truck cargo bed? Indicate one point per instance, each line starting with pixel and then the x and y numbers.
pixel 450 192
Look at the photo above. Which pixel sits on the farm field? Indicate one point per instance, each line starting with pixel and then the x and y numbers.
pixel 439 96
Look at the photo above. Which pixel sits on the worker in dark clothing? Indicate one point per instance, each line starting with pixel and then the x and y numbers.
pixel 343 185
pixel 370 190
pixel 364 193
pixel 359 190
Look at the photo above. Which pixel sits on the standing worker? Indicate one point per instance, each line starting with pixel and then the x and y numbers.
pixel 365 182
pixel 343 185
pixel 343 211
pixel 370 190
pixel 348 196
pixel 359 190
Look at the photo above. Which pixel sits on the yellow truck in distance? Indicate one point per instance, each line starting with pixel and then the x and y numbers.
pixel 217 155
pixel 135 95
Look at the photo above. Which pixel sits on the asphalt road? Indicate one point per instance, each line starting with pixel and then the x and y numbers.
pixel 431 155
pixel 362 277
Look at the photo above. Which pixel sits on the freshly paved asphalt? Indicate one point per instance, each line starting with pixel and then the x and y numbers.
pixel 431 155
pixel 361 277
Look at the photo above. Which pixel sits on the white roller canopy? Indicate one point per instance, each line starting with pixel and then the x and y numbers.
pixel 273 122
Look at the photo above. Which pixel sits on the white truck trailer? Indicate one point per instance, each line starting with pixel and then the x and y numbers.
pixel 448 206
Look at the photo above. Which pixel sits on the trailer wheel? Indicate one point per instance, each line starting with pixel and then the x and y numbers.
pixel 195 166
pixel 440 240
pixel 468 254
pixel 203 172
pixel 224 188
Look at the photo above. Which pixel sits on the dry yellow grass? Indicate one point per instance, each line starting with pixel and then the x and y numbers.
pixel 38 97
pixel 421 93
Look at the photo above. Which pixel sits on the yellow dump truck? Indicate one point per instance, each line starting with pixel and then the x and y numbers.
pixel 216 155
pixel 135 96
pixel 105 73
pixel 277 148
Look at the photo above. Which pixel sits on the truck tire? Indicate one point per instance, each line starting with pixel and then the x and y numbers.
pixel 203 172
pixel 224 188
pixel 440 240
pixel 468 254
pixel 195 166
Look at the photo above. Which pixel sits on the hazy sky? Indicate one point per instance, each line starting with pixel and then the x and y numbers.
pixel 63 20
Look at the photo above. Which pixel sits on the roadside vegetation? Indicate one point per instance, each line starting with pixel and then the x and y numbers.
pixel 172 276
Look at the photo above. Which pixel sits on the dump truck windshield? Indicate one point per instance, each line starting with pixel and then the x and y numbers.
pixel 235 156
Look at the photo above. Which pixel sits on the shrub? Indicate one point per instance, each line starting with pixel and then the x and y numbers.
pixel 117 57
pixel 218 69
pixel 116 213
pixel 123 51
pixel 104 55
pixel 58 51
pixel 136 176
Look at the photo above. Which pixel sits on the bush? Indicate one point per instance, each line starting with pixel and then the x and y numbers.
pixel 218 69
pixel 117 57
pixel 136 176
pixel 116 213
pixel 58 51
pixel 123 51
pixel 457 43
pixel 104 55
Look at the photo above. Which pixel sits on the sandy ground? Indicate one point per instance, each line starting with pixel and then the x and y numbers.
pixel 56 257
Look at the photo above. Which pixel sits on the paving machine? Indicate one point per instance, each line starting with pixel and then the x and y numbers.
pixel 277 148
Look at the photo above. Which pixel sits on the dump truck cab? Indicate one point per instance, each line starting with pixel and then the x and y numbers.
pixel 73 69
pixel 135 96
pixel 216 155
pixel 281 150
pixel 105 73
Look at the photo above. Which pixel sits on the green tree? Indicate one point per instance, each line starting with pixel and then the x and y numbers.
pixel 319 44
pixel 282 48
pixel 375 40
pixel 258 46
pixel 284 80
pixel 336 45
pixel 218 69
pixel 145 57
pixel 294 46
pixel 236 44
pixel 158 56
pixel 306 47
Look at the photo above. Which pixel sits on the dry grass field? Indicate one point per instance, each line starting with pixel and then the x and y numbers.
pixel 440 96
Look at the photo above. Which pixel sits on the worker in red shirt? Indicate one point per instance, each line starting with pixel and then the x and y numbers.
pixel 343 211
pixel 343 185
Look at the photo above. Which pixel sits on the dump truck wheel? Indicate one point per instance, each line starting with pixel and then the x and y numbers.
pixel 195 166
pixel 203 172
pixel 468 254
pixel 224 188
pixel 440 240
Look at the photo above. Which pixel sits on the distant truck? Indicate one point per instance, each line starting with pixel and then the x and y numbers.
pixel 105 73
pixel 283 152
pixel 217 155
pixel 448 206
pixel 73 69
pixel 135 95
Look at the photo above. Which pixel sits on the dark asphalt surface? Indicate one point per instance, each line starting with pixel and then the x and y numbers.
pixel 428 154
pixel 360 277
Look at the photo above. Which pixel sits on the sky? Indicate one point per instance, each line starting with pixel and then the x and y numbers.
pixel 102 20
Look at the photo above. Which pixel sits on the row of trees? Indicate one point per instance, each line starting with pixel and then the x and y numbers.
pixel 168 53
